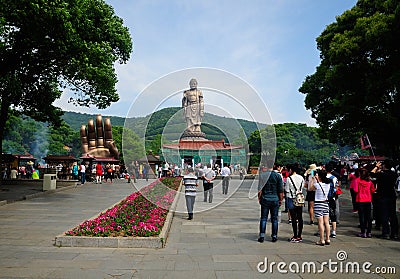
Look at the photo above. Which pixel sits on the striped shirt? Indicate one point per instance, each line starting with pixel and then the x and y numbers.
pixel 190 182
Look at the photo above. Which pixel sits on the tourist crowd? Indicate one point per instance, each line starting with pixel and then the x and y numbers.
pixel 374 188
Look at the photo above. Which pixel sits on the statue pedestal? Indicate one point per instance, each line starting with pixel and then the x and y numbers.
pixel 193 136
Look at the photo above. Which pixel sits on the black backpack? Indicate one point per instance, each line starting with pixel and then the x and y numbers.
pixel 332 189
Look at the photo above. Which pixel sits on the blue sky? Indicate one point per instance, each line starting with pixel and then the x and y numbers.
pixel 270 45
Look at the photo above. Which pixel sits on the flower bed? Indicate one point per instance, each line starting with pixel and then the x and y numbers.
pixel 142 213
pixel 136 221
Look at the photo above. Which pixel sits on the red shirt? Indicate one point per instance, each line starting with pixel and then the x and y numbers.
pixel 364 190
pixel 99 170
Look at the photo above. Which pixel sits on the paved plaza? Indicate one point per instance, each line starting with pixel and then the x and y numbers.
pixel 220 242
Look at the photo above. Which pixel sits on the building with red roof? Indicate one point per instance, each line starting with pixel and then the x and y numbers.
pixel 204 151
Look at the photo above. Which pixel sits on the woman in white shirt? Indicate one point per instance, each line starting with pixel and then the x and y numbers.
pixel 294 184
pixel 321 184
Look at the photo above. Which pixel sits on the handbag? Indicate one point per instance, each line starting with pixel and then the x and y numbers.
pixel 299 199
pixel 290 204
pixel 339 191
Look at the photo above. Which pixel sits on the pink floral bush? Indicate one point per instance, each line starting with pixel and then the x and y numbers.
pixel 142 213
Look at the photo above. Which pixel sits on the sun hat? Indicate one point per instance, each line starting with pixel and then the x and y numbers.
pixel 311 167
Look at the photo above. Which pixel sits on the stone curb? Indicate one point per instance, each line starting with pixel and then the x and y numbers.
pixel 155 242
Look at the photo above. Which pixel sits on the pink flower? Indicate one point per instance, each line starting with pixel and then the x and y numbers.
pixel 142 213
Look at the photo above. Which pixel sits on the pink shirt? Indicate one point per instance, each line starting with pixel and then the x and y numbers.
pixel 364 190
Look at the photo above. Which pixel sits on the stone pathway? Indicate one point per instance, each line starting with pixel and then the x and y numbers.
pixel 220 242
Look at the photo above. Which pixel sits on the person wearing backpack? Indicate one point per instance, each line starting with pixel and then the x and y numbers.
pixel 294 186
pixel 332 197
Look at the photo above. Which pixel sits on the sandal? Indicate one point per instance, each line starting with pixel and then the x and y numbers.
pixel 327 242
pixel 320 243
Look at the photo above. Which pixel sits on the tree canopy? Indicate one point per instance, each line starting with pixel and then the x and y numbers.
pixel 47 46
pixel 293 143
pixel 355 88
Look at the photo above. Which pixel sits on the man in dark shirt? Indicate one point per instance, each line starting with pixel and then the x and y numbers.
pixel 385 183
pixel 270 195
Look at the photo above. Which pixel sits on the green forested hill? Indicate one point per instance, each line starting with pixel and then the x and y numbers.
pixel 170 123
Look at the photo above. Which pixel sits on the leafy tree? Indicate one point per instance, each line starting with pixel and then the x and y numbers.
pixel 117 132
pixel 154 146
pixel 268 142
pixel 24 135
pixel 64 141
pixel 132 146
pixel 47 46
pixel 12 147
pixel 355 88
pixel 254 141
pixel 294 143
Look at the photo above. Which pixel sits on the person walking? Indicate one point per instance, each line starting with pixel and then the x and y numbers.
pixel 285 174
pixel 165 169
pixel 83 173
pixel 320 183
pixel 241 173
pixel 294 184
pixel 270 196
pixel 75 171
pixel 208 182
pixel 385 182
pixel 108 173
pixel 310 195
pixel 146 169
pixel 225 173
pixel 14 173
pixel 99 173
pixel 353 177
pixel 190 182
pixel 364 188
pixel 332 198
